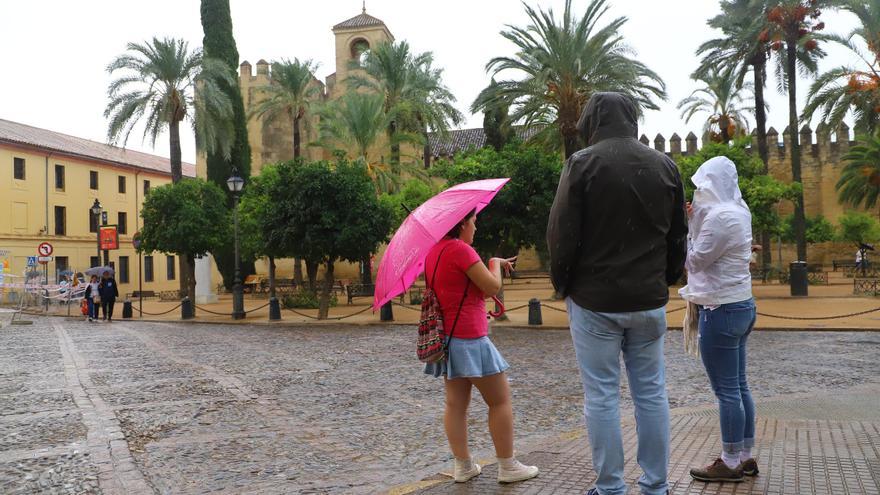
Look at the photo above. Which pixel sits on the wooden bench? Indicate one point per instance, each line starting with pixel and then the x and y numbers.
pixel 143 293
pixel 835 264
pixel 359 290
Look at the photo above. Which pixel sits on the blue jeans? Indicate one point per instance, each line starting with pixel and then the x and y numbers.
pixel 599 339
pixel 723 335
pixel 93 308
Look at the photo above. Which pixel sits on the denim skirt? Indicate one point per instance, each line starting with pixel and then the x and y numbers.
pixel 469 358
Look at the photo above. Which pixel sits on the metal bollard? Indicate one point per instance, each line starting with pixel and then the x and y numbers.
pixel 186 309
pixel 274 309
pixel 386 313
pixel 126 309
pixel 535 312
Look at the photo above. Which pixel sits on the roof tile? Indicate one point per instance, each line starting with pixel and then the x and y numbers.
pixel 21 134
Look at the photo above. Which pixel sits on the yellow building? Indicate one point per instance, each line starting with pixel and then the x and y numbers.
pixel 48 183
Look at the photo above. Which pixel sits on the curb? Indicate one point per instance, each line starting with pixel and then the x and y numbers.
pixel 495 326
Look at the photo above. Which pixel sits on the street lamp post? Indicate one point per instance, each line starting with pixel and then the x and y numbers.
pixel 235 184
pixel 96 211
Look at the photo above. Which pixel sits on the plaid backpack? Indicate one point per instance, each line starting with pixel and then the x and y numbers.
pixel 432 341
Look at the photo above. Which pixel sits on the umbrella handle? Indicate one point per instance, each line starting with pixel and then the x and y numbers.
pixel 501 310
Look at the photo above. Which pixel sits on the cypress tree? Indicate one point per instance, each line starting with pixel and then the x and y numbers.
pixel 219 43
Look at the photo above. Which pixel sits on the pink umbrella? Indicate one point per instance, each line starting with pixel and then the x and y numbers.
pixel 404 259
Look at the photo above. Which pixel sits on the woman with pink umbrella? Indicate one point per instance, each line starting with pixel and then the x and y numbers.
pixel 437 237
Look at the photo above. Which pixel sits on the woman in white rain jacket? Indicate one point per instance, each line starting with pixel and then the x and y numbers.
pixel 720 285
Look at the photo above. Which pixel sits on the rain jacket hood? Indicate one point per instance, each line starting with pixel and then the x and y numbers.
pixel 717 182
pixel 608 115
pixel 720 241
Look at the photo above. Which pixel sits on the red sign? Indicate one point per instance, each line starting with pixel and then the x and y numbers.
pixel 109 237
pixel 45 249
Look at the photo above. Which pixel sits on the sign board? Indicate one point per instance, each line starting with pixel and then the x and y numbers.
pixel 45 249
pixel 109 237
pixel 31 261
pixel 44 259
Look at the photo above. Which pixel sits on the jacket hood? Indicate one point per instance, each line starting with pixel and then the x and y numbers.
pixel 608 115
pixel 717 182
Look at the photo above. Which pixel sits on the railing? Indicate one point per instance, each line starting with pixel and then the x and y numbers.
pixel 866 286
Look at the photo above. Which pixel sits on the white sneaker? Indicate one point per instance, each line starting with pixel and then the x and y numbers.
pixel 515 471
pixel 465 470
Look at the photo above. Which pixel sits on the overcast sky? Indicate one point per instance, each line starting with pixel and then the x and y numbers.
pixel 54 52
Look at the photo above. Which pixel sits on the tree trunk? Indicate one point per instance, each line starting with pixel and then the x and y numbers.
pixel 312 273
pixel 271 277
pixel 191 288
pixel 426 150
pixel 366 273
pixel 395 148
pixel 799 217
pixel 761 130
pixel 183 274
pixel 571 145
pixel 297 152
pixel 761 114
pixel 298 272
pixel 174 141
pixel 724 127
pixel 324 305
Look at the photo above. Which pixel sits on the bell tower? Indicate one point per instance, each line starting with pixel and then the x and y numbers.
pixel 353 37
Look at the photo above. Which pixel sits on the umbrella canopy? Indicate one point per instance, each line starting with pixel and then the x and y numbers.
pixel 99 271
pixel 404 259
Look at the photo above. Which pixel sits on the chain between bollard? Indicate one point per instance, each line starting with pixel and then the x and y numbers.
pixel 859 313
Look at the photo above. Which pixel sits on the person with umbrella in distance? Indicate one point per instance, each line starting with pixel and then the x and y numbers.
pixel 437 238
pixel 109 292
pixel 93 297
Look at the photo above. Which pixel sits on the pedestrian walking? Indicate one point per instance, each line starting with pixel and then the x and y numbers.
pixel 720 288
pixel 455 272
pixel 93 297
pixel 109 292
pixel 616 234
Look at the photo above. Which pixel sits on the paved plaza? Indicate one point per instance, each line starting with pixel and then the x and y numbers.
pixel 135 407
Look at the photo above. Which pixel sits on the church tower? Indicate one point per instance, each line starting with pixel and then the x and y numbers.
pixel 353 37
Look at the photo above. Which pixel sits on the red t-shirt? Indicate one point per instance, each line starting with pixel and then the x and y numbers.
pixel 450 284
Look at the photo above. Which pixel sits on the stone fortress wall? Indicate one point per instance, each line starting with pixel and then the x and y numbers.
pixel 822 154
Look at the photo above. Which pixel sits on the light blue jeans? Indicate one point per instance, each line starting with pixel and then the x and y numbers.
pixel 599 339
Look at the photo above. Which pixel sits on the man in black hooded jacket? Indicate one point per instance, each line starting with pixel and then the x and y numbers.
pixel 617 237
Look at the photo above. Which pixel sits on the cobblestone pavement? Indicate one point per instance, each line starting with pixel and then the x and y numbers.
pixel 138 408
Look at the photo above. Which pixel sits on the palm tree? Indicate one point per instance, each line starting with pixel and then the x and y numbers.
pixel 434 110
pixel 562 63
pixel 359 119
pixel 793 26
pixel 414 97
pixel 743 48
pixel 159 82
pixel 845 88
pixel 291 94
pixel 859 183
pixel 721 99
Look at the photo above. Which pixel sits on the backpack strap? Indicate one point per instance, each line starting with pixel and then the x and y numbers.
pixel 463 296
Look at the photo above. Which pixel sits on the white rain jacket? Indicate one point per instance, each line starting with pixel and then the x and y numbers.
pixel 720 238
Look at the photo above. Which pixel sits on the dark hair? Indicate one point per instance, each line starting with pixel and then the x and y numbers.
pixel 455 232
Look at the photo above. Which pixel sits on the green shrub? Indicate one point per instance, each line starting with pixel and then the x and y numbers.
pixel 305 299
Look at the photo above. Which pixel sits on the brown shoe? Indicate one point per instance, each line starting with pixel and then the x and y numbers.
pixel 717 471
pixel 749 467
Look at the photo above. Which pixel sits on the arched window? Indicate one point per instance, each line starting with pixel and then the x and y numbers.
pixel 359 47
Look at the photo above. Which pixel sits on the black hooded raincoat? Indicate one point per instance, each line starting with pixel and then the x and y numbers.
pixel 618 228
